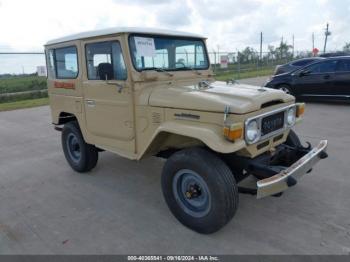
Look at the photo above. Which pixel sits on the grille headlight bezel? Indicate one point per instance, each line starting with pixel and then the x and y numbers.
pixel 258 119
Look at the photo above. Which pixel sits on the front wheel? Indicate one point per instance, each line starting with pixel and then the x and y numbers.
pixel 286 89
pixel 82 157
pixel 200 190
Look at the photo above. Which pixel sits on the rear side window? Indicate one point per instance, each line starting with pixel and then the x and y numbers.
pixel 50 63
pixel 66 62
pixel 105 61
pixel 343 66
pixel 323 67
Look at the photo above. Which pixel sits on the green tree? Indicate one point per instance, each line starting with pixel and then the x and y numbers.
pixel 346 47
pixel 282 51
pixel 247 55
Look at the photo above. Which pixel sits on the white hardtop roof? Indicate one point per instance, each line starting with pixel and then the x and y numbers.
pixel 117 30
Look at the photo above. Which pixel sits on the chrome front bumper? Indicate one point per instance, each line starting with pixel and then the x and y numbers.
pixel 286 178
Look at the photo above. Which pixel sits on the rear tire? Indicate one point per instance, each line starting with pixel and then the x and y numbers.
pixel 82 157
pixel 200 190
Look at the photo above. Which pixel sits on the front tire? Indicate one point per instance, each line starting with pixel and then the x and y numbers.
pixel 200 190
pixel 82 157
pixel 286 89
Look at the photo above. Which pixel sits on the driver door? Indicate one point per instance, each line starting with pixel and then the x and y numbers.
pixel 315 81
pixel 107 98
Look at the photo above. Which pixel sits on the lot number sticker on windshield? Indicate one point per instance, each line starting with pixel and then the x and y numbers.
pixel 145 46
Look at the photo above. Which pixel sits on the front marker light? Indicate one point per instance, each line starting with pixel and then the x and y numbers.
pixel 300 109
pixel 291 115
pixel 252 131
pixel 233 132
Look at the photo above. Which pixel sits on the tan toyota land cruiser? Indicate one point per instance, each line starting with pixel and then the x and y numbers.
pixel 142 92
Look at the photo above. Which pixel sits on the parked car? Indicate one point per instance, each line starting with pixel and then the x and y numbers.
pixel 328 79
pixel 296 64
pixel 138 93
pixel 335 54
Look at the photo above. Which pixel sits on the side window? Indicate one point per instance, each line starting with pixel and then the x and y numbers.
pixel 105 60
pixel 50 63
pixel 323 67
pixel 302 62
pixel 343 66
pixel 66 62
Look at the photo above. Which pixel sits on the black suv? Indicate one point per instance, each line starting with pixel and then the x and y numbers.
pixel 328 79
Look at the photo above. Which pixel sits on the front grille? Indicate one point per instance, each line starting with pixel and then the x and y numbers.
pixel 272 123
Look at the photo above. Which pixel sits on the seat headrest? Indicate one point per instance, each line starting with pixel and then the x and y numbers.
pixel 105 71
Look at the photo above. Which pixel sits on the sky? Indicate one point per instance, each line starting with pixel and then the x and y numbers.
pixel 230 25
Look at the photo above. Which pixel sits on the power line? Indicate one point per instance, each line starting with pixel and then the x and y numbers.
pixel 22 53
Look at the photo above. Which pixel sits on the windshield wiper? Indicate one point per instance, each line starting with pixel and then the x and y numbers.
pixel 189 68
pixel 159 69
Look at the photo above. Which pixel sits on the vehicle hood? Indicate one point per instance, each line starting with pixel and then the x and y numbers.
pixel 240 98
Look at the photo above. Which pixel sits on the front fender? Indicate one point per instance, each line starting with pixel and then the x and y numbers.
pixel 208 134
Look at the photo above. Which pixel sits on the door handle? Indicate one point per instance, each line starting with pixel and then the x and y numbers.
pixel 90 103
pixel 326 76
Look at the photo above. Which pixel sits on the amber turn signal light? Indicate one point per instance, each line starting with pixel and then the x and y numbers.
pixel 300 109
pixel 233 132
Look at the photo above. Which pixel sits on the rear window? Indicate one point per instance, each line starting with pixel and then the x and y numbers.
pixel 323 67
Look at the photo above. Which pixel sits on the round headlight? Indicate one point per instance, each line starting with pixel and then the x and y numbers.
pixel 252 131
pixel 291 116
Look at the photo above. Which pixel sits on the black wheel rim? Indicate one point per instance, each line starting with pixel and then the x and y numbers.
pixel 73 147
pixel 191 193
pixel 285 89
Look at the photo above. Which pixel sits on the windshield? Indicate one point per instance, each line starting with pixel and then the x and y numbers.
pixel 168 53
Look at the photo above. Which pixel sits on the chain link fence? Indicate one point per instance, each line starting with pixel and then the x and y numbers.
pixel 237 65
pixel 19 71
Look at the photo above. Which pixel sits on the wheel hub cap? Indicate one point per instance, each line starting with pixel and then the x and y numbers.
pixel 191 193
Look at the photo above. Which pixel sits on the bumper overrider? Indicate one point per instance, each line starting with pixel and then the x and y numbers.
pixel 288 177
pixel 279 170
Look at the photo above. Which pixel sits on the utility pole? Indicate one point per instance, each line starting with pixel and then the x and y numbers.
pixel 293 46
pixel 214 60
pixel 261 40
pixel 327 33
pixel 313 41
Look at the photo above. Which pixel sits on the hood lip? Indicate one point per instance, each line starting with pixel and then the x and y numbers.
pixel 223 110
pixel 216 97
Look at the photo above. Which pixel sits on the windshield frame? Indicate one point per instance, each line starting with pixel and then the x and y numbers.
pixel 169 37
